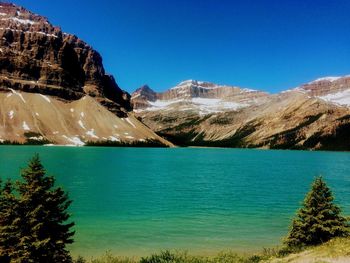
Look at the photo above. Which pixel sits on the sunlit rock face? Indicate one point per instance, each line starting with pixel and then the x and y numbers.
pixel 36 56
pixel 315 115
pixel 332 89
pixel 198 96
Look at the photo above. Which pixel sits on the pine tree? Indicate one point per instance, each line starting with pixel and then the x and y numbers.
pixel 318 220
pixel 9 223
pixel 33 226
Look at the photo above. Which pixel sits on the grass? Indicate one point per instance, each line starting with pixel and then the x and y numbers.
pixel 334 251
pixel 175 257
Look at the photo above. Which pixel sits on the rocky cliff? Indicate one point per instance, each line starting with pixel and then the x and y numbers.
pixel 327 85
pixel 54 89
pixel 38 57
pixel 315 115
pixel 334 90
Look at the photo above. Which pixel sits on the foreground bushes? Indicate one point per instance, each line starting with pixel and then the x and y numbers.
pixel 335 250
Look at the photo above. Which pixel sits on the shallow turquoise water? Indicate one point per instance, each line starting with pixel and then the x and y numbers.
pixel 134 201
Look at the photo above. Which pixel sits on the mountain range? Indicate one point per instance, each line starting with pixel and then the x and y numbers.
pixel 54 90
pixel 315 115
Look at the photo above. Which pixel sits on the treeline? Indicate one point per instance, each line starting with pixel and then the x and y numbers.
pixel 150 143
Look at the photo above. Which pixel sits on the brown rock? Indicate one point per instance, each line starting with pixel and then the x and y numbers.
pixel 38 57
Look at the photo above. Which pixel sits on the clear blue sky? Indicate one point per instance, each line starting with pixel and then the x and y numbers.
pixel 264 44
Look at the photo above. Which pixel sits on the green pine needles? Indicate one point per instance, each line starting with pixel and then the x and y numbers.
pixel 319 220
pixel 33 216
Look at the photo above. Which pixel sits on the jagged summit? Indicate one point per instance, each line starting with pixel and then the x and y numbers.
pixel 143 90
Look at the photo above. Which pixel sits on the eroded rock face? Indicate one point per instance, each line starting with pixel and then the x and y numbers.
pixel 326 86
pixel 38 57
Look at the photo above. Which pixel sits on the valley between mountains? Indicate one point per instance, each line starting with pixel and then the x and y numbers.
pixel 54 90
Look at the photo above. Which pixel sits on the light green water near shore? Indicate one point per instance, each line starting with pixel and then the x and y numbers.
pixel 134 201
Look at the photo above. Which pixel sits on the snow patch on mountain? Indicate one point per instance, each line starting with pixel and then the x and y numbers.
pixel 203 105
pixel 341 98
pixel 21 21
pixel 330 79
pixel 11 114
pixel 45 98
pixel 25 126
pixel 194 83
pixel 76 141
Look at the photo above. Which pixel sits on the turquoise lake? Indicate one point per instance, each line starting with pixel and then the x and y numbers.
pixel 135 201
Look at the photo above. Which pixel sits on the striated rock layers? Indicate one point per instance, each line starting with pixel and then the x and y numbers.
pixel 38 57
pixel 199 96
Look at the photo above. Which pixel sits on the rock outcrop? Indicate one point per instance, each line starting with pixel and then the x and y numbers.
pixel 38 57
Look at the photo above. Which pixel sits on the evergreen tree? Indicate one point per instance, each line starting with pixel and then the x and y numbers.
pixel 43 208
pixel 33 226
pixel 318 220
pixel 9 223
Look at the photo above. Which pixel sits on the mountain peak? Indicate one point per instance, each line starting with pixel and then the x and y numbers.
pixel 194 83
pixel 144 88
pixel 142 96
pixel 12 15
pixel 38 57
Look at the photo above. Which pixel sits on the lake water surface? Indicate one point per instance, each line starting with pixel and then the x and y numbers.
pixel 134 201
